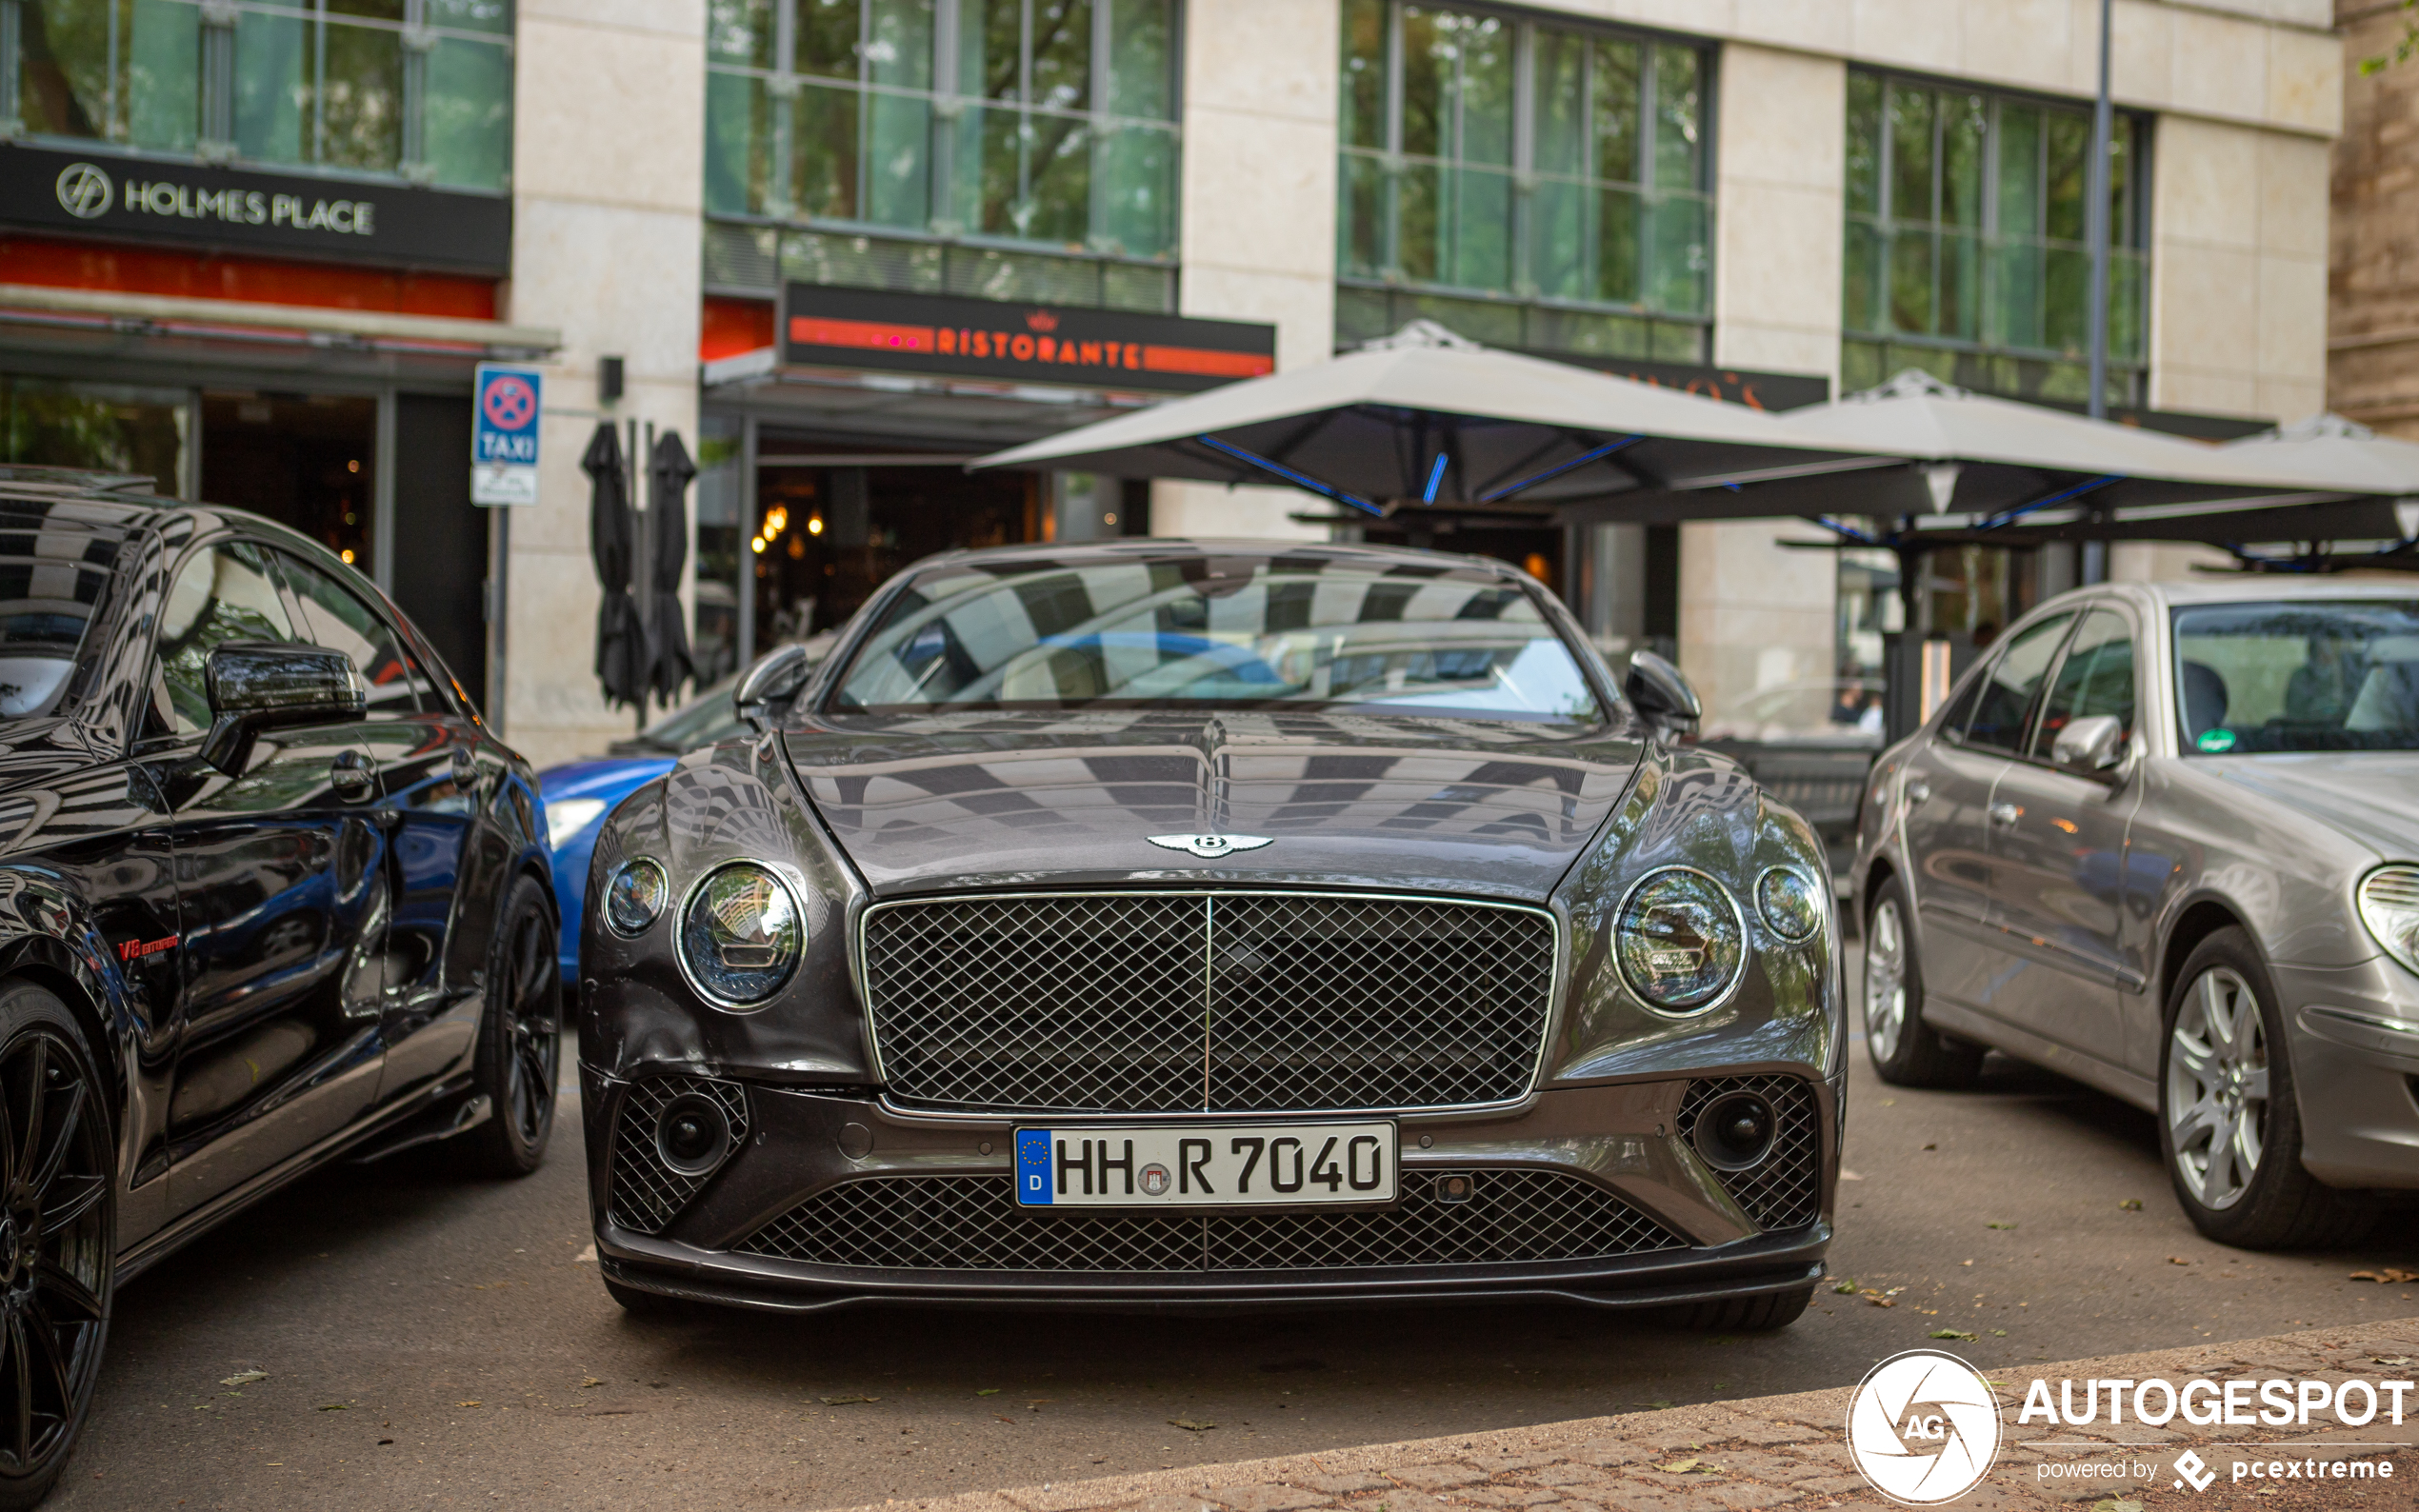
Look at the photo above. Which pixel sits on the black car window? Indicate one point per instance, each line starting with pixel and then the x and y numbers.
pixel 2005 688
pixel 224 592
pixel 2096 678
pixel 342 621
pixel 50 581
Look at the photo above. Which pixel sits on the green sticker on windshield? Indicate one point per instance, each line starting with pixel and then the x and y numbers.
pixel 2214 740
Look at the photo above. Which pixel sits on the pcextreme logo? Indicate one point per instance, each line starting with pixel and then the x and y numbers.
pixel 1923 1429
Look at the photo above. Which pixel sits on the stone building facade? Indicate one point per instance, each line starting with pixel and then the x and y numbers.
pixel 1816 190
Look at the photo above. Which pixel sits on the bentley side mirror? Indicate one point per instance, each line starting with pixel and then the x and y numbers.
pixel 775 678
pixel 256 685
pixel 1660 695
pixel 2091 744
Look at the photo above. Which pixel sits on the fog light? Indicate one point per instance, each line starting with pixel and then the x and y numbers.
pixel 1735 1131
pixel 692 1134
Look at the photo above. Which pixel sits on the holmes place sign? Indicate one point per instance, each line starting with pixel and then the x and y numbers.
pixel 271 212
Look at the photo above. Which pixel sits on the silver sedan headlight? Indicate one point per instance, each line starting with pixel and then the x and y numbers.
pixel 1680 939
pixel 741 935
pixel 2389 907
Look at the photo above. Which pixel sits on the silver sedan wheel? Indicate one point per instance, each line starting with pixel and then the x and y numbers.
pixel 2217 1088
pixel 1886 981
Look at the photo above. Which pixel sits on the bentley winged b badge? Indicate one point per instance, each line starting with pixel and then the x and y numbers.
pixel 1210 847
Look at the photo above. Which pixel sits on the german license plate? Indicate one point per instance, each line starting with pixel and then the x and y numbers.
pixel 1222 1165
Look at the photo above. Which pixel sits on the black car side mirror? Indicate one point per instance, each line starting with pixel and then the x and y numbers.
pixel 1660 695
pixel 776 678
pixel 256 685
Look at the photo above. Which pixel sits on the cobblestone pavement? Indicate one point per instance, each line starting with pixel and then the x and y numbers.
pixel 1790 1451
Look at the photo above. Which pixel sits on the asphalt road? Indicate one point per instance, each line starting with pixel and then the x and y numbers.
pixel 431 1342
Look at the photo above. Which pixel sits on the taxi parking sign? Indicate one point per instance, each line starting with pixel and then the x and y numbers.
pixel 504 434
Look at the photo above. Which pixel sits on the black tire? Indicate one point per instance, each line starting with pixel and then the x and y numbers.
pixel 1743 1314
pixel 56 1294
pixel 519 1056
pixel 2227 1098
pixel 1905 1050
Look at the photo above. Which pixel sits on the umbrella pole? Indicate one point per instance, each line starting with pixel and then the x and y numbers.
pixel 639 564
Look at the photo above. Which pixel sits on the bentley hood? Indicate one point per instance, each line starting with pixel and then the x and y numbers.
pixel 928 803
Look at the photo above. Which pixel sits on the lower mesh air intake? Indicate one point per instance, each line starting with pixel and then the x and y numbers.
pixel 972 1222
pixel 647 1192
pixel 1785 1188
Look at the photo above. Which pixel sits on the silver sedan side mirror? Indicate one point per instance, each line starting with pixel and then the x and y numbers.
pixel 2091 744
pixel 776 676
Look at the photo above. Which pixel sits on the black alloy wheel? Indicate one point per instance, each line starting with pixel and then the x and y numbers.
pixel 58 1238
pixel 520 1054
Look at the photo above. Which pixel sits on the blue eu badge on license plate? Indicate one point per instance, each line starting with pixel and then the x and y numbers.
pixel 1032 1166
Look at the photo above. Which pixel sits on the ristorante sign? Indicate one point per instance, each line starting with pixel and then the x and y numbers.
pixel 286 213
pixel 1052 344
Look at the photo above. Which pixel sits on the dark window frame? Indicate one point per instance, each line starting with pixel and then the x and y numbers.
pixel 1982 361
pixel 1668 332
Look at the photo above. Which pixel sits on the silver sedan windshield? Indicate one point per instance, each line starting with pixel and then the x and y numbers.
pixel 1187 631
pixel 2299 675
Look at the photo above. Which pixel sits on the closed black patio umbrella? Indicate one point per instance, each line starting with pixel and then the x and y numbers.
pixel 621 638
pixel 668 474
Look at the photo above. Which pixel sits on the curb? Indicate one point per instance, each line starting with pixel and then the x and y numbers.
pixel 1767 1451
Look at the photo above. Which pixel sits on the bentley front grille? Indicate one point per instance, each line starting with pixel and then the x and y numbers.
pixel 1207 1001
pixel 647 1193
pixel 972 1222
pixel 1785 1188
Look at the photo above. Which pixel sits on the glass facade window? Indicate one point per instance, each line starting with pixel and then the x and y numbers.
pixel 1528 183
pixel 1035 122
pixel 115 427
pixel 420 90
pixel 1964 241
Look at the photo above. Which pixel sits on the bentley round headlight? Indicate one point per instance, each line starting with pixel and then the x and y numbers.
pixel 2389 907
pixel 740 935
pixel 1789 903
pixel 1680 939
pixel 635 897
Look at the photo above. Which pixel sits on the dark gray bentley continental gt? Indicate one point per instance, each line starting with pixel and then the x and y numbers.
pixel 1167 922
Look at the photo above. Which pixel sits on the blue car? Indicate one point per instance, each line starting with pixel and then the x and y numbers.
pixel 579 794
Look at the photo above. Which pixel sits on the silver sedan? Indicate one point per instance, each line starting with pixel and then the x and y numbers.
pixel 2165 839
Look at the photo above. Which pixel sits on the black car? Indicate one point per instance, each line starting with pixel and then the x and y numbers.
pixel 270 895
pixel 1161 922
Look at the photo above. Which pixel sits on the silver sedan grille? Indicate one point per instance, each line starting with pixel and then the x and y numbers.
pixel 1207 1001
pixel 972 1222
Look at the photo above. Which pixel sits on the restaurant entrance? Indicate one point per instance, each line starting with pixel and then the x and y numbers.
pixel 827 535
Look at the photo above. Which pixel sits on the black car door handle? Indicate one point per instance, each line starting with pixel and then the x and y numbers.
pixel 352 777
